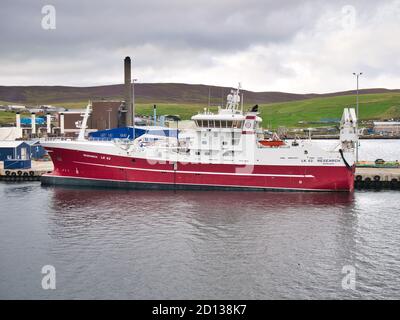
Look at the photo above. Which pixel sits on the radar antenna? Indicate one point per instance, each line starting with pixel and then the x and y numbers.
pixel 233 99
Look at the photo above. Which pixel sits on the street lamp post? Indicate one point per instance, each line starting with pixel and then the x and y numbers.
pixel 357 75
pixel 133 106
pixel 109 118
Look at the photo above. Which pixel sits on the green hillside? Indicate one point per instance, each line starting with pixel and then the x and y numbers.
pixel 6 117
pixel 289 114
pixel 372 107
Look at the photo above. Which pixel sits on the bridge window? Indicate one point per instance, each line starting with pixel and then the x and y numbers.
pixel 229 154
pixel 237 124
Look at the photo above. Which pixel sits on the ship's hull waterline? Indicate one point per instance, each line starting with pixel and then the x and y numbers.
pixel 82 168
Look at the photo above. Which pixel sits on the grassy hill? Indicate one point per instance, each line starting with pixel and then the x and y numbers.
pixel 178 93
pixel 276 108
pixel 381 106
pixel 6 117
pixel 144 93
pixel 371 107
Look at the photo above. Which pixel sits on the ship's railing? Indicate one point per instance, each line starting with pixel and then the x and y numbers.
pixel 102 139
pixel 76 138
pixel 58 139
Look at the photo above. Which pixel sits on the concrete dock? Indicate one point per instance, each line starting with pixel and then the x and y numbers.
pixel 377 178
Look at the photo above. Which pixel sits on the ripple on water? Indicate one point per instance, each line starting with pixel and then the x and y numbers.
pixel 231 245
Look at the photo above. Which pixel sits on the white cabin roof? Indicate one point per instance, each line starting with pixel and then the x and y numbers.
pixel 10 144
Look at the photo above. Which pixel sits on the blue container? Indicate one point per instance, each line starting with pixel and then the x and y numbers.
pixel 128 133
pixel 28 121
pixel 17 164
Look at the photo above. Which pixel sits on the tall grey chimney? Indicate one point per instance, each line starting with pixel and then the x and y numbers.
pixel 128 91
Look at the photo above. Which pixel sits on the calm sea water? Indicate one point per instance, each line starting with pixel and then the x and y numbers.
pixel 197 245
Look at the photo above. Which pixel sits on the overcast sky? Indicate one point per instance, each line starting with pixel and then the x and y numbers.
pixel 291 46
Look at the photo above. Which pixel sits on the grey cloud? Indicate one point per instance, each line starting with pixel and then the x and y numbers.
pixel 215 25
pixel 191 41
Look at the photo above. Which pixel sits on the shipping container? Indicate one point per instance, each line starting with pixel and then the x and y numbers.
pixel 17 164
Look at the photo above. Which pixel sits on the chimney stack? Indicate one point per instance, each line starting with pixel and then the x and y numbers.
pixel 128 91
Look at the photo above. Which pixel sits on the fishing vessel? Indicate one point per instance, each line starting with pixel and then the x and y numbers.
pixel 226 150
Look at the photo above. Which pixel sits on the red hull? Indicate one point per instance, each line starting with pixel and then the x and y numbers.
pixel 90 168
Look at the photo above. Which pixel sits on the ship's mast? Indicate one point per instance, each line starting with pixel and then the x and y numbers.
pixel 348 130
pixel 233 99
pixel 84 122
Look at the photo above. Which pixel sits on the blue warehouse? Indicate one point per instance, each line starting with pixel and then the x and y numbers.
pixel 14 150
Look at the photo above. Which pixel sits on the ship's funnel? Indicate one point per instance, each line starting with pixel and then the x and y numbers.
pixel 128 91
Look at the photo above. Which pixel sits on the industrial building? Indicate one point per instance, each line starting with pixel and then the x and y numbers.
pixel 33 126
pixel 68 122
pixel 387 127
pixel 104 115
pixel 16 108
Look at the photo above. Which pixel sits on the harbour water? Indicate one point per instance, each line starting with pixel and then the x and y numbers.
pixel 199 245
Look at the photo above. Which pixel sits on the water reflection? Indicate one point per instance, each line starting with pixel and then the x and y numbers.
pixel 211 208
pixel 124 199
pixel 195 245
pixel 263 241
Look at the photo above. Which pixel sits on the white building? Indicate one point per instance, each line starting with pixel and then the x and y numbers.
pixel 10 133
pixel 387 127
pixel 16 107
